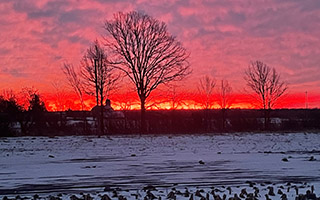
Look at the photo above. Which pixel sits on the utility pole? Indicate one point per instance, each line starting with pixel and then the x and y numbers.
pixel 97 92
pixel 96 61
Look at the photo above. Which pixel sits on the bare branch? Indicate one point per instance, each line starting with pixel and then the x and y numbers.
pixel 224 95
pixel 206 88
pixel 265 82
pixel 74 81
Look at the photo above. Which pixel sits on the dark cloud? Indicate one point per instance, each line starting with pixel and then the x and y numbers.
pixel 236 17
pixel 17 72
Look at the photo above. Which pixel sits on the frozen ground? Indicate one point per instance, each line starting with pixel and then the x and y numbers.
pixel 73 164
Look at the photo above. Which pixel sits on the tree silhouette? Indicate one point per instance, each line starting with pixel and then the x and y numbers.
pixel 265 82
pixel 146 53
pixel 99 77
pixel 59 95
pixel 74 81
pixel 36 110
pixel 224 99
pixel 206 89
pixel 9 113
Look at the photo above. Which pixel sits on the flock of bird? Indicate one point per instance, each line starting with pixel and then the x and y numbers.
pixel 226 193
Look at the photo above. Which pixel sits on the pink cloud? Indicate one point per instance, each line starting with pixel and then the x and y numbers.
pixel 36 37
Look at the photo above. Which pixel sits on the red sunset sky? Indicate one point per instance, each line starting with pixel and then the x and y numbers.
pixel 38 36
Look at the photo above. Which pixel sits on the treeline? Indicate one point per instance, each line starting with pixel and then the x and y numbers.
pixel 19 119
pixel 36 121
pixel 217 121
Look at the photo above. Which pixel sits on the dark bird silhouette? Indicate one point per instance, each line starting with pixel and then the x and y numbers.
pixel 198 193
pixel 150 195
pixel 87 197
pixel 251 197
pixel 74 197
pixel 256 191
pixel 271 192
pixel 217 197
pixel 224 197
pixel 280 192
pixel 267 197
pixel 243 193
pixel 235 197
pixel 186 193
pixel 296 189
pixel 284 197
pixel 229 189
pixel 114 194
pixel 122 197
pixel 312 189
pixel 105 197
pixel 207 196
pixel 171 195
pixel 310 196
pixel 312 158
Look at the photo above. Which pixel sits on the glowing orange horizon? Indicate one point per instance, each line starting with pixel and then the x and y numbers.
pixel 131 102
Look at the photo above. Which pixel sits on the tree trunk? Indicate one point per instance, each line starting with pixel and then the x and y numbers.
pixel 101 113
pixel 96 81
pixel 223 119
pixel 266 119
pixel 143 127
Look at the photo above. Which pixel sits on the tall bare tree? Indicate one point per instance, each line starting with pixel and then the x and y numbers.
pixel 224 99
pixel 265 82
pixel 206 89
pixel 98 75
pixel 224 94
pixel 146 53
pixel 74 81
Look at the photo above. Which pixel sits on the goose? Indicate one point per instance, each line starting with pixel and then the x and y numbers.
pixel 229 189
pixel 171 195
pixel 243 193
pixel 271 192
pixel 267 197
pixel 284 197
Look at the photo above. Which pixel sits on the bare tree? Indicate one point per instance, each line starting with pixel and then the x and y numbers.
pixel 224 94
pixel 206 89
pixel 25 96
pixel 265 82
pixel 146 53
pixel 224 99
pixel 60 95
pixel 99 77
pixel 74 81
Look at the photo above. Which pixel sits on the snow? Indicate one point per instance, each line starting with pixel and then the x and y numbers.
pixel 71 164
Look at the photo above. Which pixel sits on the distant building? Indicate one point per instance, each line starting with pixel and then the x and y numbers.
pixel 108 111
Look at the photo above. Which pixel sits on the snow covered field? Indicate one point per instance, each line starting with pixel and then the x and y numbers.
pixel 73 164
